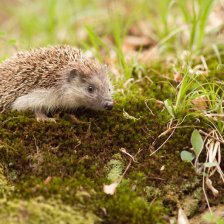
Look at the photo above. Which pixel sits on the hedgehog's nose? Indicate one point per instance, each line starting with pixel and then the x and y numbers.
pixel 108 105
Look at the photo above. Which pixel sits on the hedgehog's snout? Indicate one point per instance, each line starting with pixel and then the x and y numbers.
pixel 108 105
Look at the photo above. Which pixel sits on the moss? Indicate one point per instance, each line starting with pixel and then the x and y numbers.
pixel 5 187
pixel 37 210
pixel 3 180
pixel 191 202
pixel 70 161
pixel 152 192
pixel 127 207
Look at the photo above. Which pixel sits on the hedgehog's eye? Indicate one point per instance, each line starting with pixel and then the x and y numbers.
pixel 91 88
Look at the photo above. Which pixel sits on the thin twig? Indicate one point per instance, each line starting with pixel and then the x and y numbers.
pixel 126 170
pixel 132 159
pixel 208 135
pixel 156 178
pixel 203 186
pixel 149 107
pixel 163 143
pixel 35 142
pixel 128 154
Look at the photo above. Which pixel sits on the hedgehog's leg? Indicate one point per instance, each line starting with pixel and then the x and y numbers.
pixel 36 101
pixel 41 116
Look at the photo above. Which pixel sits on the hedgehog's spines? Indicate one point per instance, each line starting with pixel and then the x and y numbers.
pixel 37 79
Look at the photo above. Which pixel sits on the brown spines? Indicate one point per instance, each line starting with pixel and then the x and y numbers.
pixel 38 68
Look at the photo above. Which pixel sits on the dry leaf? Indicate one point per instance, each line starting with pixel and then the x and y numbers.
pixel 200 103
pixel 47 180
pixel 213 150
pixel 110 189
pixel 162 168
pixel 178 77
pixel 142 28
pixel 215 19
pixel 133 42
pixel 149 55
pixel 182 218
pixel 210 187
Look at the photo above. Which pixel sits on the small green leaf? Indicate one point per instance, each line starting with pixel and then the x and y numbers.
pixel 197 142
pixel 210 164
pixel 169 107
pixel 187 156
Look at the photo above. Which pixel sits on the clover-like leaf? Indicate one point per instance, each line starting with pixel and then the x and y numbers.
pixel 187 156
pixel 197 142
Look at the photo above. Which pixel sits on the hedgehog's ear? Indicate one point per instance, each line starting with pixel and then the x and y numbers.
pixel 72 74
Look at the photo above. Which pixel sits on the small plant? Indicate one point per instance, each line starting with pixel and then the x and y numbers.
pixel 197 20
pixel 212 145
pixel 197 144
pixel 119 29
pixel 204 101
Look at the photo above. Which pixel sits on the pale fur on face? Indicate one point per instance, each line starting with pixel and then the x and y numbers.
pixel 76 91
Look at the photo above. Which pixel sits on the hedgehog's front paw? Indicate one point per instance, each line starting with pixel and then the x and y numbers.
pixel 41 116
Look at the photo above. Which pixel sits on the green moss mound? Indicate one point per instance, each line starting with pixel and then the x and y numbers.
pixel 71 160
pixel 40 211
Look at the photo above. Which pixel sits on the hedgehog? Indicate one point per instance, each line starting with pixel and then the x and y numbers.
pixel 60 77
